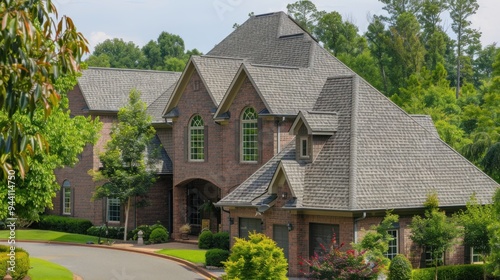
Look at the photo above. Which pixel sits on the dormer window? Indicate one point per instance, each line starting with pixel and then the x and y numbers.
pixel 304 147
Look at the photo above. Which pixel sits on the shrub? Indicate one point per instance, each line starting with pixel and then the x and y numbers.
pixel 256 258
pixel 146 231
pixel 64 224
pixel 215 257
pixel 22 263
pixel 400 268
pixel 339 264
pixel 113 232
pixel 221 240
pixel 205 240
pixel 158 235
pixel 466 271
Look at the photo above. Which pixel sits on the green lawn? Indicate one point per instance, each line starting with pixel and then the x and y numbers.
pixel 42 269
pixel 47 235
pixel 194 256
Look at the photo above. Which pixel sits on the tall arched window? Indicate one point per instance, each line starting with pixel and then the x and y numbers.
pixel 196 139
pixel 66 198
pixel 249 136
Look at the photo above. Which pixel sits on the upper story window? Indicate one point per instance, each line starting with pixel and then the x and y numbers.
pixel 249 136
pixel 304 147
pixel 196 139
pixel 66 197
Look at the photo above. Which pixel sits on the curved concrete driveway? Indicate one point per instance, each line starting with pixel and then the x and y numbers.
pixel 94 263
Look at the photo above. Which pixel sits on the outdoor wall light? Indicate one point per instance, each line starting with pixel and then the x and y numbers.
pixel 284 195
pixel 289 226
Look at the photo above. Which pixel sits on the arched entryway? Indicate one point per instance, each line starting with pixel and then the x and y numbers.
pixel 198 209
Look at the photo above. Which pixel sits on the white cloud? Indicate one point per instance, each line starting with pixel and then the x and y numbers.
pixel 96 38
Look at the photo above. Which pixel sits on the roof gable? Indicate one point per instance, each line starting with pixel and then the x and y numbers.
pixel 316 123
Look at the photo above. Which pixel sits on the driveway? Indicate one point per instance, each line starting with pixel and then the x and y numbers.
pixel 94 263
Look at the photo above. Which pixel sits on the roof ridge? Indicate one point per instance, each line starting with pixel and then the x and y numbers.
pixel 131 70
pixel 322 112
pixel 274 66
pixel 221 57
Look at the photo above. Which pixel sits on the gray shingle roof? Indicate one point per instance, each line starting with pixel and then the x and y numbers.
pixel 427 123
pixel 155 110
pixel 317 123
pixel 107 89
pixel 164 164
pixel 379 158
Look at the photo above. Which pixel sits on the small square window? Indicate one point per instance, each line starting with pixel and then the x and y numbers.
pixel 476 255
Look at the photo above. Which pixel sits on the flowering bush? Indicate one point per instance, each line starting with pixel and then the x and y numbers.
pixel 337 264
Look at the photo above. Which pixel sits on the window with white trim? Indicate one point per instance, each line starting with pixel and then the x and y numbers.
pixel 66 197
pixel 196 139
pixel 476 255
pixel 249 136
pixel 393 244
pixel 113 210
pixel 429 260
pixel 304 147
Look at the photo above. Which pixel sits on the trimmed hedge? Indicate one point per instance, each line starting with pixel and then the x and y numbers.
pixel 146 230
pixel 400 268
pixel 215 257
pixel 205 240
pixel 113 232
pixel 158 235
pixel 22 263
pixel 64 224
pixel 220 240
pixel 449 272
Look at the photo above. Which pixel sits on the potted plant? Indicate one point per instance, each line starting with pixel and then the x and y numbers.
pixel 185 230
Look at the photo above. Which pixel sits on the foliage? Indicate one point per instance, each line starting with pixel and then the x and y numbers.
pixel 128 162
pixel 376 241
pixel 216 257
pixel 185 228
pixel 36 47
pixel 64 224
pixel 400 268
pixel 305 13
pixel 158 235
pixel 221 240
pixel 205 240
pixel 256 258
pixel 450 272
pixel 112 232
pixel 118 54
pixel 22 262
pixel 146 230
pixel 435 231
pixel 334 263
pixel 493 260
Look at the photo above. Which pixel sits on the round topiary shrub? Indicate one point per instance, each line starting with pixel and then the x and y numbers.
pixel 215 257
pixel 400 268
pixel 257 258
pixel 221 240
pixel 205 240
pixel 158 235
pixel 22 262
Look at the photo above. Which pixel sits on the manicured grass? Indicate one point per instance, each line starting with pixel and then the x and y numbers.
pixel 42 269
pixel 47 235
pixel 194 256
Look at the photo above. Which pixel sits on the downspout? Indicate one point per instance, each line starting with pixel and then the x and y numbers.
pixel 356 226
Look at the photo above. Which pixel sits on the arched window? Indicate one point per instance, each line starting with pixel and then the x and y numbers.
pixel 66 197
pixel 196 139
pixel 249 136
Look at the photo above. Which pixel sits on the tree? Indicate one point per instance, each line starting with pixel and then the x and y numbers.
pixel 475 221
pixel 435 232
pixel 305 13
pixel 257 258
pixel 128 161
pixel 376 241
pixel 119 54
pixel 35 49
pixel 460 11
pixel 493 260
pixel 397 7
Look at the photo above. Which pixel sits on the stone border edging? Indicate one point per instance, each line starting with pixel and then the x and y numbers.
pixel 191 265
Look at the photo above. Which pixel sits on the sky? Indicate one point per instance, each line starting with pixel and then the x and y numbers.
pixel 203 23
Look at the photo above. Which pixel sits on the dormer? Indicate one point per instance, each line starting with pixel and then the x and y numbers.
pixel 311 130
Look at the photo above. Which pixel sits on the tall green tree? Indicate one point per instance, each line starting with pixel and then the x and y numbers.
pixel 339 36
pixel 378 38
pixel 119 53
pixel 395 8
pixel 460 11
pixel 493 260
pixel 128 161
pixel 305 13
pixel 435 232
pixel 36 46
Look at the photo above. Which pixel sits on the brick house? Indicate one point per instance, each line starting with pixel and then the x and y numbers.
pixel 287 141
